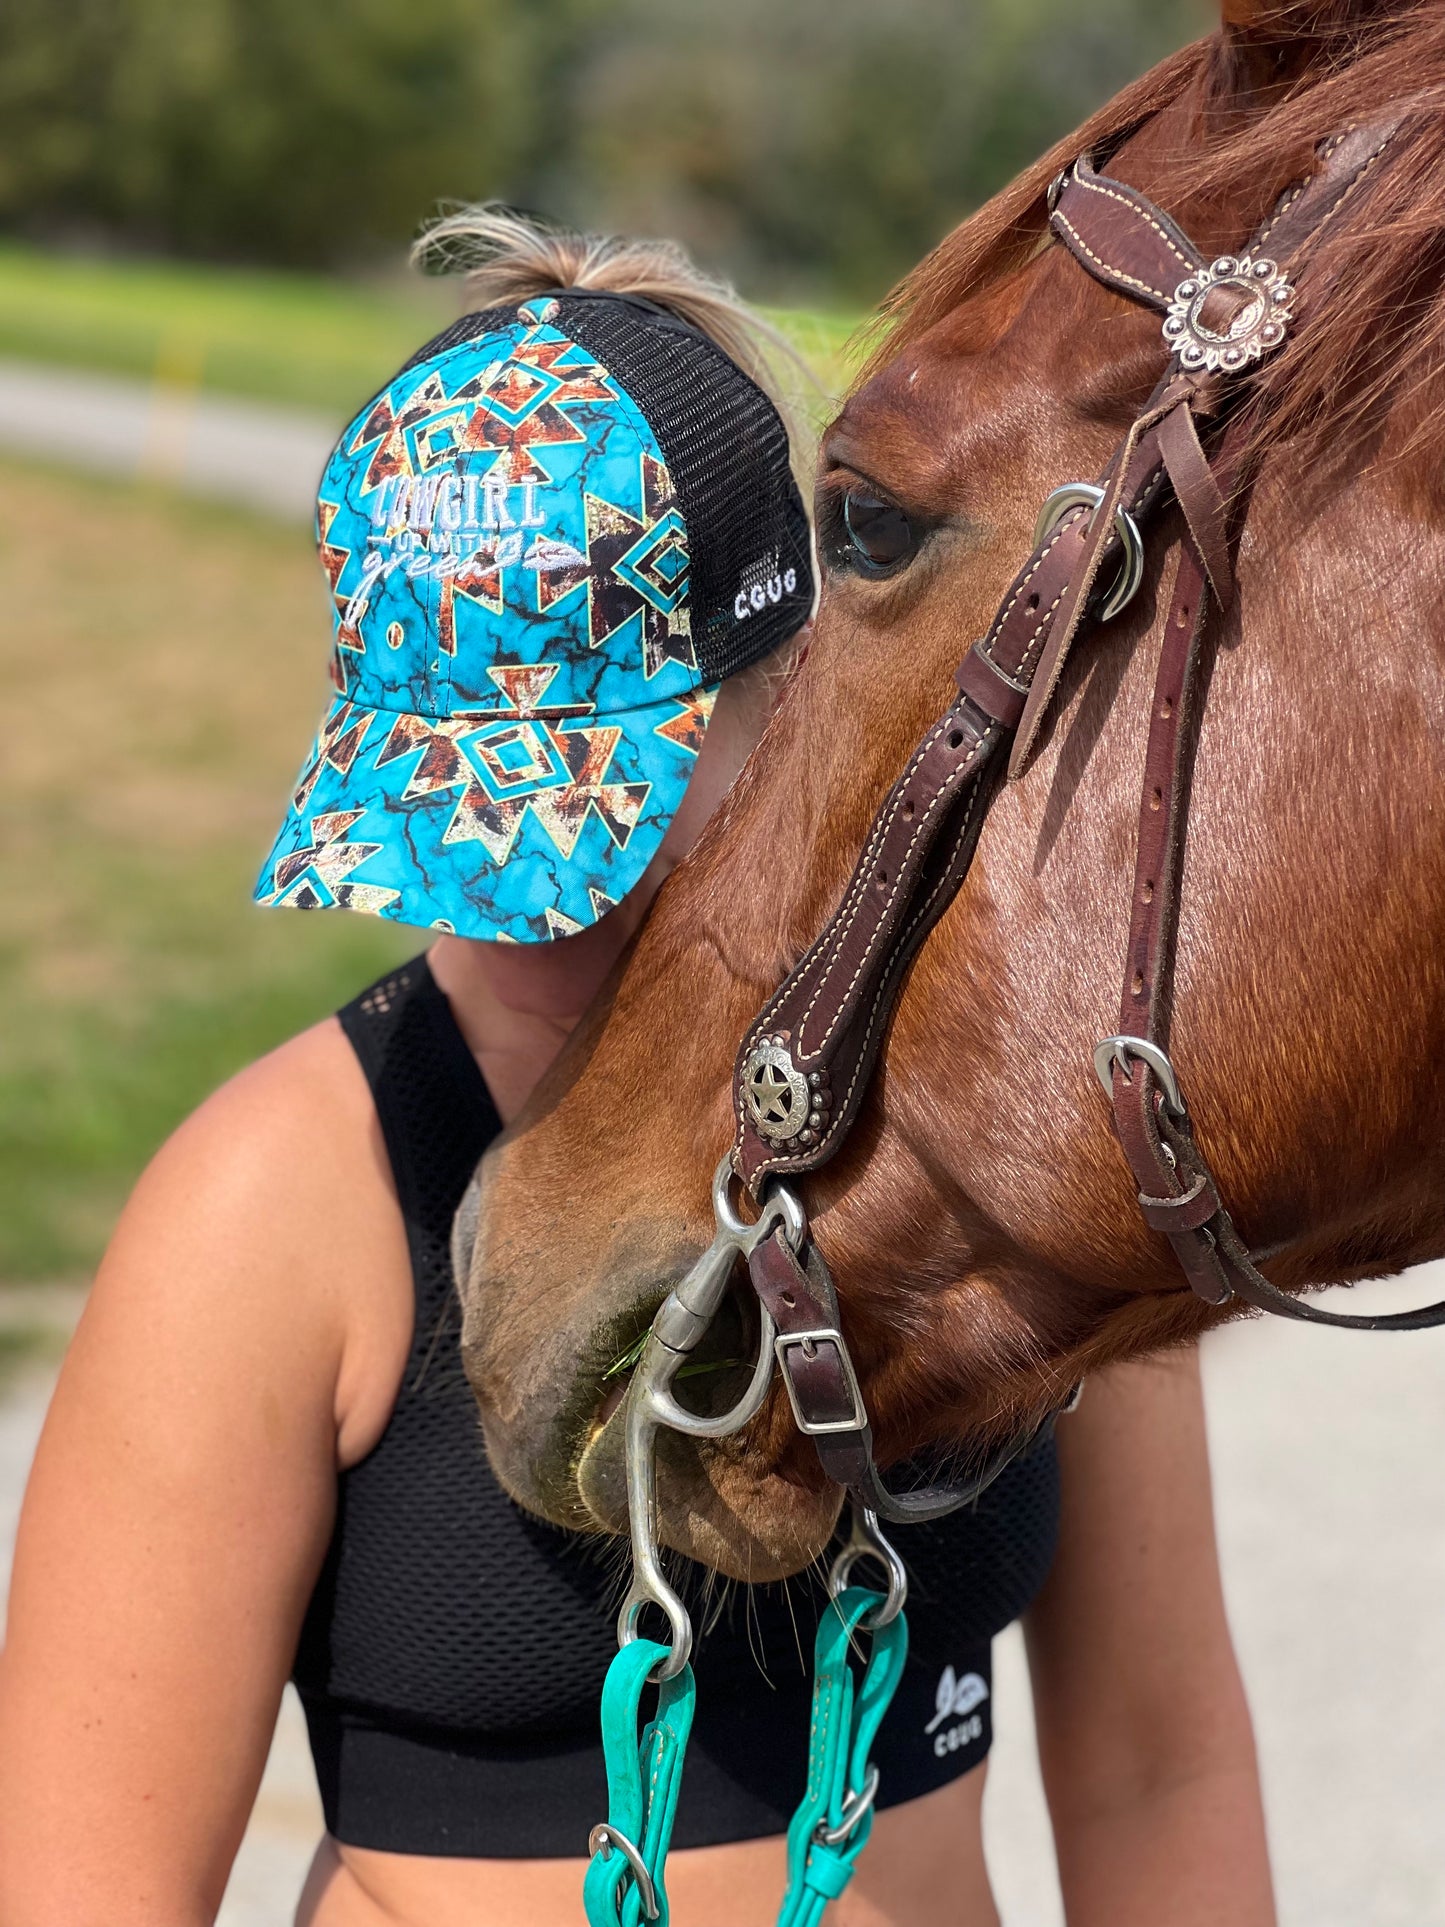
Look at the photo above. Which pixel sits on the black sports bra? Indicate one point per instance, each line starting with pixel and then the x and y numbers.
pixel 453 1652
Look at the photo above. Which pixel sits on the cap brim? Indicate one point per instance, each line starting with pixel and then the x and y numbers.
pixel 519 827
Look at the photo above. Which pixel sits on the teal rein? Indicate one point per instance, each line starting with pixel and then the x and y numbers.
pixel 625 1881
pixel 833 1820
pixel 625 1884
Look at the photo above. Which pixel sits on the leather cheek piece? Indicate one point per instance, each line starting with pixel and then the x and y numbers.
pixel 980 679
pixel 784 1287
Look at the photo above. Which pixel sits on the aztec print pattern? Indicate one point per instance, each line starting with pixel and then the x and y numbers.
pixel 517 707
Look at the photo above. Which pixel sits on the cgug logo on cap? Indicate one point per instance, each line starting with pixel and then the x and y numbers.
pixel 763 583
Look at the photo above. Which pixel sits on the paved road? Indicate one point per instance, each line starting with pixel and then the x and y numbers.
pixel 1327 1450
pixel 238 451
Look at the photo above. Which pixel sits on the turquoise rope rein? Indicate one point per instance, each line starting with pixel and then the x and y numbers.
pixel 831 1825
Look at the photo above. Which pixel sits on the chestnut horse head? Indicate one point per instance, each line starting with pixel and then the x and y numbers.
pixel 980 1221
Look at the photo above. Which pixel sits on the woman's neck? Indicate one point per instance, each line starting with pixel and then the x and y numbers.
pixel 517 1004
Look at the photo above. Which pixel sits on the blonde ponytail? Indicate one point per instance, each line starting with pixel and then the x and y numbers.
pixel 509 257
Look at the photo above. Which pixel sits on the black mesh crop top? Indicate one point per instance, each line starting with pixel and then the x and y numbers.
pixel 453 1652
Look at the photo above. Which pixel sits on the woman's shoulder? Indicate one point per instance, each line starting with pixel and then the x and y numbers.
pixel 299 1116
pixel 275 1200
pixel 291 1144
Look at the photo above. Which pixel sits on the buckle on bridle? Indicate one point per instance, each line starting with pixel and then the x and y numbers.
pixel 1112 1052
pixel 1073 495
pixel 808 1342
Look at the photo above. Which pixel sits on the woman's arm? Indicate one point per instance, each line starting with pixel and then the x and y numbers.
pixel 239 1334
pixel 1144 1733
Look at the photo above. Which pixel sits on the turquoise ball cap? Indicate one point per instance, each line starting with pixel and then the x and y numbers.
pixel 518 699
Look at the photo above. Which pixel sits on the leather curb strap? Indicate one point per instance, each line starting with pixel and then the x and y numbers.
pixel 823 1389
pixel 803 1067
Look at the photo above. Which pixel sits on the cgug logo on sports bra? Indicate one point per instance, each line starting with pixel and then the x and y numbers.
pixel 957 1699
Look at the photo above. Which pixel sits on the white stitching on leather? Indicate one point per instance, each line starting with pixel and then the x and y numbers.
pixel 949 783
pixel 1045 622
pixel 1026 578
pixel 1108 268
pixel 1109 193
pixel 1345 192
pixel 1289 200
pixel 903 936
pixel 1286 202
pixel 841 1111
pixel 849 908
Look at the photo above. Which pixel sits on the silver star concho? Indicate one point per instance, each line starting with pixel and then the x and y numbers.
pixel 1257 326
pixel 775 1092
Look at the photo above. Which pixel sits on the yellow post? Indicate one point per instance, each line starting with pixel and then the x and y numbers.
pixel 175 383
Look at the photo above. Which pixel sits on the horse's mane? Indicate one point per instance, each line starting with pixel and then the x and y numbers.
pixel 1373 336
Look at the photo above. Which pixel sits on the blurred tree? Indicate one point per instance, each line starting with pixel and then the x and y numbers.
pixel 817 145
pixel 833 141
pixel 261 129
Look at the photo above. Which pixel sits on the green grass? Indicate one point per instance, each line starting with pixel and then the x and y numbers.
pixel 829 343
pixel 305 340
pixel 161 698
pixel 300 339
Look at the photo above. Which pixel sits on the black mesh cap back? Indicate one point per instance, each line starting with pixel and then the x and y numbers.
pixel 727 452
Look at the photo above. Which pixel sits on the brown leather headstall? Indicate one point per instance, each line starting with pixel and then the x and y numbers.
pixel 804 1065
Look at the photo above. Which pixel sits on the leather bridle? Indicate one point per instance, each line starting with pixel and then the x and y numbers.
pixel 804 1066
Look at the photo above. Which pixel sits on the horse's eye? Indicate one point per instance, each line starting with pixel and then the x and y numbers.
pixel 880 537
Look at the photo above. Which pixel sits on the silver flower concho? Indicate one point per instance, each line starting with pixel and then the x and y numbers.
pixel 1258 326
